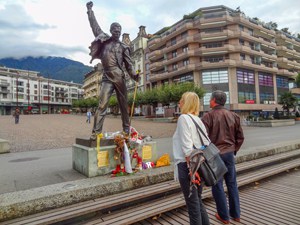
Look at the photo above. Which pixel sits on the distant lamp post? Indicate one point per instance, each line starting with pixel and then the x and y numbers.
pixel 48 95
pixel 28 93
pixel 17 89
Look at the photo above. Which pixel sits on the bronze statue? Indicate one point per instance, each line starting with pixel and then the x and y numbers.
pixel 113 55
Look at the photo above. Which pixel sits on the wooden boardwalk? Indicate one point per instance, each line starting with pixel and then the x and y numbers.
pixel 274 201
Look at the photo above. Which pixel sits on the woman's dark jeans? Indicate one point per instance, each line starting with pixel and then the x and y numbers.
pixel 196 209
pixel 233 193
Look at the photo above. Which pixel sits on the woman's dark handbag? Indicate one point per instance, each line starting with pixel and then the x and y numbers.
pixel 212 168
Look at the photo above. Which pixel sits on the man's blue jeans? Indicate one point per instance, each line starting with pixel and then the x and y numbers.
pixel 233 193
pixel 196 208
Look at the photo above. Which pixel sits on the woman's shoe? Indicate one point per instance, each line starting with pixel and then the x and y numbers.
pixel 220 219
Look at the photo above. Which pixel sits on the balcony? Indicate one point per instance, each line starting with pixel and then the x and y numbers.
pixel 5 91
pixel 286 72
pixel 156 66
pixel 4 84
pixel 170 74
pixel 155 43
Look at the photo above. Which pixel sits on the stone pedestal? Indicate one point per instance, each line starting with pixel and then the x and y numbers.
pixel 4 146
pixel 85 159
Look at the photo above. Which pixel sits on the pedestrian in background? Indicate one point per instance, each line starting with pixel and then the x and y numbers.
pixel 225 131
pixel 88 116
pixel 17 115
pixel 184 138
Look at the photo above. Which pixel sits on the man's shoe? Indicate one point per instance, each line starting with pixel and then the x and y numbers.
pixel 236 219
pixel 220 219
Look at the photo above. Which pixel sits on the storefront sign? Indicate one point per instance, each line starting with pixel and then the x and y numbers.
pixel 250 102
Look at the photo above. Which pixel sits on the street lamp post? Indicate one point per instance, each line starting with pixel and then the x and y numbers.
pixel 48 96
pixel 28 92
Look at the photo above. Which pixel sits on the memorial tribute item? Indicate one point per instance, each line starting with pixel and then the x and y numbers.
pixel 115 57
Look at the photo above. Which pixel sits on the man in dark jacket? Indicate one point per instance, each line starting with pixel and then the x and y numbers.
pixel 113 55
pixel 225 131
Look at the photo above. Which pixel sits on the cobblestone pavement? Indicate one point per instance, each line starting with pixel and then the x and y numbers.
pixel 38 132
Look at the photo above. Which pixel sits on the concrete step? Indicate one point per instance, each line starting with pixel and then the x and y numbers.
pixel 248 172
pixel 158 206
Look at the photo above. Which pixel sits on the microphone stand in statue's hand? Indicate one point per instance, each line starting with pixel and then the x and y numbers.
pixel 134 96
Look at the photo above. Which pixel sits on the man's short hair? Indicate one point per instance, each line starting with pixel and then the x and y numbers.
pixel 115 24
pixel 219 96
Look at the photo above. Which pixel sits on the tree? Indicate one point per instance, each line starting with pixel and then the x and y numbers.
pixel 286 30
pixel 287 101
pixel 297 80
pixel 113 104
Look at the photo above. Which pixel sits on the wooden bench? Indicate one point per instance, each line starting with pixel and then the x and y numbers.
pixel 166 189
pixel 156 207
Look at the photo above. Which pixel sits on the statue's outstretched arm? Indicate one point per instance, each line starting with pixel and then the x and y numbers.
pixel 92 19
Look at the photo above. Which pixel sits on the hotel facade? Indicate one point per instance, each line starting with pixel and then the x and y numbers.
pixel 220 48
pixel 33 93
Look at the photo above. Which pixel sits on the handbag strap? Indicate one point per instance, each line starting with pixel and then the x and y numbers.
pixel 198 128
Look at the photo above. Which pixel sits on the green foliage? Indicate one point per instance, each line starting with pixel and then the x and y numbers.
pixel 286 30
pixel 113 101
pixel 192 15
pixel 287 101
pixel 161 31
pixel 297 80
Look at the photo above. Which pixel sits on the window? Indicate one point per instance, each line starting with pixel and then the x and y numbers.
pixel 175 66
pixel 184 34
pixel 35 98
pixel 241 27
pixel 245 76
pixel 207 96
pixel 282 82
pixel 174 54
pixel 35 86
pixel 265 79
pixel 186 62
pixel 183 78
pixel 215 76
pixel 242 42
pixel 185 48
pixel 213 44
pixel 266 97
pixel 214 59
pixel 250 31
pixel 244 96
pixel 243 56
pixel 213 30
pixel 173 41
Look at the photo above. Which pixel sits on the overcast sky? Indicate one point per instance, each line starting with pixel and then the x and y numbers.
pixel 61 27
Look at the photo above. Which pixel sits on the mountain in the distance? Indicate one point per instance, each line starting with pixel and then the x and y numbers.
pixel 57 68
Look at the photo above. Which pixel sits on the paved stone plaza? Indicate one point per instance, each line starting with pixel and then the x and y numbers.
pixel 44 132
pixel 37 132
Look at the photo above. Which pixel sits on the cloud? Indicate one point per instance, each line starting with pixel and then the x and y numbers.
pixel 19 36
pixel 61 27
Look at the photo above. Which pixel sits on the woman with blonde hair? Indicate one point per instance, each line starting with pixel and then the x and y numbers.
pixel 184 138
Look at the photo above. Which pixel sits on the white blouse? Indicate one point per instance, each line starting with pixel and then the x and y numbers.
pixel 185 137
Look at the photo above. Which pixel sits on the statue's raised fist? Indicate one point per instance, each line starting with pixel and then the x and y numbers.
pixel 89 5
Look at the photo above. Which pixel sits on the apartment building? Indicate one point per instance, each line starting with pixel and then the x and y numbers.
pixel 138 46
pixel 91 82
pixel 221 48
pixel 33 93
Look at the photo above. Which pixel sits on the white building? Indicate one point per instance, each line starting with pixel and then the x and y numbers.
pixel 33 93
